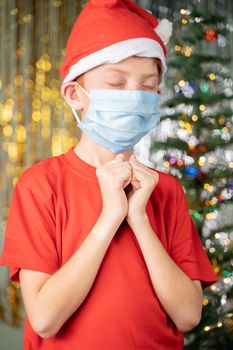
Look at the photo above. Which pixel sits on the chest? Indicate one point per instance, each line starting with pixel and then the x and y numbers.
pixel 79 206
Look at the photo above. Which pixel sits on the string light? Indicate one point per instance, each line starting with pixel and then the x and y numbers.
pixel 177 48
pixel 210 159
pixel 211 216
pixel 212 76
pixel 182 11
pixel 194 117
pixel 201 160
pixel 202 108
pixel 188 51
pixel 182 83
pixel 180 162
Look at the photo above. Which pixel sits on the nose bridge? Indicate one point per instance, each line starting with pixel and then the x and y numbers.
pixel 134 85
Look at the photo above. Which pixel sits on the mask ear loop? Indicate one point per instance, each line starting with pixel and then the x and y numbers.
pixel 76 115
pixel 73 110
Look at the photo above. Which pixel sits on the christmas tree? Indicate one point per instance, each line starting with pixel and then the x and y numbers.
pixel 194 143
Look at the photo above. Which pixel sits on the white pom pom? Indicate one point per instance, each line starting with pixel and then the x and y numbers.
pixel 164 30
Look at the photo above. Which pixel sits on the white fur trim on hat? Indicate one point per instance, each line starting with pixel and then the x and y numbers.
pixel 143 47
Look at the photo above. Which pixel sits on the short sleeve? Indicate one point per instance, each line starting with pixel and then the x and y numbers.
pixel 30 233
pixel 187 249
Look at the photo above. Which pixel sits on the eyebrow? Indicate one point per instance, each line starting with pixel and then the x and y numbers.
pixel 125 71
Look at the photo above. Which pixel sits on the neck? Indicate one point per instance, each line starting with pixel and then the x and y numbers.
pixel 96 154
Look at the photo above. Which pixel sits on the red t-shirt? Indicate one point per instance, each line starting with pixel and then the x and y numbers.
pixel 54 206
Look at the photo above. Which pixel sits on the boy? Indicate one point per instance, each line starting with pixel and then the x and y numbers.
pixel 104 247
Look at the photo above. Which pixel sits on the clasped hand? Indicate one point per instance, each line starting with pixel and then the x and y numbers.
pixel 126 186
pixel 143 181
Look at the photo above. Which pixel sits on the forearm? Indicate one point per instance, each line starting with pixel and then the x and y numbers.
pixel 175 290
pixel 65 291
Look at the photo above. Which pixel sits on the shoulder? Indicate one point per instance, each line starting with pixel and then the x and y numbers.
pixel 169 189
pixel 41 177
pixel 167 181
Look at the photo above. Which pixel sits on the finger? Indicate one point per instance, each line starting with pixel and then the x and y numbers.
pixel 118 166
pixel 142 167
pixel 135 183
pixel 143 177
pixel 137 165
pixel 132 157
pixel 126 177
pixel 120 156
pixel 127 182
pixel 139 175
pixel 116 161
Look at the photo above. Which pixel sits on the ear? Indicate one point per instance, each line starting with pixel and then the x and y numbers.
pixel 72 94
pixel 158 90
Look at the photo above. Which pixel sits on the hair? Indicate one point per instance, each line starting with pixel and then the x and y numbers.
pixel 80 78
pixel 159 66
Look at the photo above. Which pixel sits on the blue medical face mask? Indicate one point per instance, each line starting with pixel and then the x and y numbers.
pixel 118 119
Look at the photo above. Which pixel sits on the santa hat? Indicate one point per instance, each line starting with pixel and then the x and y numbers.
pixel 108 31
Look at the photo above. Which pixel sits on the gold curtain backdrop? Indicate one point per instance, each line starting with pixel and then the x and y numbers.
pixel 35 120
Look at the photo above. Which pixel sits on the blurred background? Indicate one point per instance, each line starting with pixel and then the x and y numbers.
pixel 192 142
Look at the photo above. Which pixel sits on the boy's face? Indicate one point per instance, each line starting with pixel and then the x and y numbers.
pixel 133 73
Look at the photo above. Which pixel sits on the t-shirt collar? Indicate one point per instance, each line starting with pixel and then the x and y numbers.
pixel 80 165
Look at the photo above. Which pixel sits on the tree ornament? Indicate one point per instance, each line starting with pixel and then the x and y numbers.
pixel 210 35
pixel 202 148
pixel 191 171
pixel 201 176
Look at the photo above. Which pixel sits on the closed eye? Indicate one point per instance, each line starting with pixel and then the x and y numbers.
pixel 116 85
pixel 150 88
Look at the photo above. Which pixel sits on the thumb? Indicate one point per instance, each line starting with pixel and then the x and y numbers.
pixel 132 157
pixel 120 156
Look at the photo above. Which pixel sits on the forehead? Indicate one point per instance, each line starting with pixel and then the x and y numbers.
pixel 131 65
